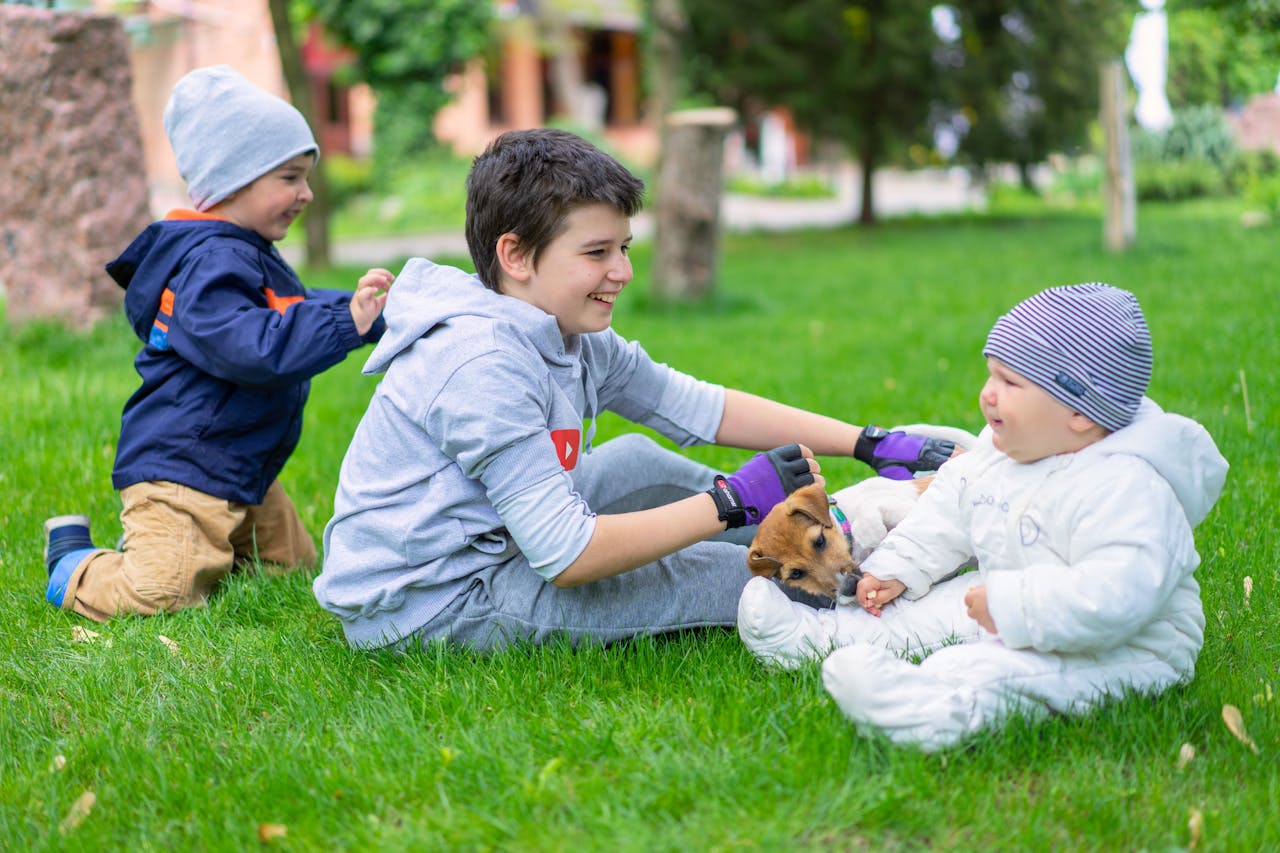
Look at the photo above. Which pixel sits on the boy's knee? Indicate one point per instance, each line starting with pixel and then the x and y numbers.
pixel 137 581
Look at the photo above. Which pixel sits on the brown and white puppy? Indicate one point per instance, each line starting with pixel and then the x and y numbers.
pixel 817 542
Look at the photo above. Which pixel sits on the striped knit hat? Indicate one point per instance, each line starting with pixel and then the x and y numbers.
pixel 1086 345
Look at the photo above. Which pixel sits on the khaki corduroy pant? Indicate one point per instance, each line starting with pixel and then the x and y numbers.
pixel 179 543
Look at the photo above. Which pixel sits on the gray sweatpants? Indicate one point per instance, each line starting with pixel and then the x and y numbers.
pixel 695 587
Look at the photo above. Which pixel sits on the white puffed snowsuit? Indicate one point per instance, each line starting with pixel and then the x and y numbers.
pixel 1088 560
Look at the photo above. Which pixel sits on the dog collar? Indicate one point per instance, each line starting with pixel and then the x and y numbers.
pixel 841 519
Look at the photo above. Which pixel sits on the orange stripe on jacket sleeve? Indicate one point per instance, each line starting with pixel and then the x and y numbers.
pixel 166 302
pixel 280 303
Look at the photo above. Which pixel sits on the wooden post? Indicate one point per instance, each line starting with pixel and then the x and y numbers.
pixel 1120 220
pixel 689 185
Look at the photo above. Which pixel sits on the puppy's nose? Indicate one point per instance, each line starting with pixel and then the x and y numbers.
pixel 847 587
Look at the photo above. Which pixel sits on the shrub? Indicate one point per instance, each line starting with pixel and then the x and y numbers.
pixel 1173 180
pixel 1196 156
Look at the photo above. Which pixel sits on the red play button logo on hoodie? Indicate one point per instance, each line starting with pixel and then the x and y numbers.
pixel 567 442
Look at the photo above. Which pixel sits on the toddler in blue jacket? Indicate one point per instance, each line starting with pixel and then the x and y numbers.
pixel 232 339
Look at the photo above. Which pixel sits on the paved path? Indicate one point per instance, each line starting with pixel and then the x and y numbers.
pixel 897 193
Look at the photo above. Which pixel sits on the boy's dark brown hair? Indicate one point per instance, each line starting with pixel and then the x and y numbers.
pixel 527 182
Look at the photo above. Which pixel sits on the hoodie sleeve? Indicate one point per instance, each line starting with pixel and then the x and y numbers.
pixel 684 409
pixel 223 324
pixel 1129 546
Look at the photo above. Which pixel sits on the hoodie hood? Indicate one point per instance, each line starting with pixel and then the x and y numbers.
pixel 427 296
pixel 148 265
pixel 1180 450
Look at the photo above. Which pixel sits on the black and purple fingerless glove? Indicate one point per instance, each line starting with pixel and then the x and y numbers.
pixel 746 496
pixel 901 455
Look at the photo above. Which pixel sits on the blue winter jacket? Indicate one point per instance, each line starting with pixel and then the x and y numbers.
pixel 232 339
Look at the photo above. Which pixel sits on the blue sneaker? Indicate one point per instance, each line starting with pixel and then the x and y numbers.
pixel 66 543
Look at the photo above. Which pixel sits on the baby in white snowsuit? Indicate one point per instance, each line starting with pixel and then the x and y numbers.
pixel 1078 504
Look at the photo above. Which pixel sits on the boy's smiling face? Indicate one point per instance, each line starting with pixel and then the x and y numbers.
pixel 271 203
pixel 579 274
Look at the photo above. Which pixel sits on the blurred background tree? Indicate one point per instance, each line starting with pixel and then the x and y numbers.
pixel 1222 51
pixel 404 50
pixel 316 222
pixel 861 74
pixel 986 80
pixel 1019 80
pixel 1224 57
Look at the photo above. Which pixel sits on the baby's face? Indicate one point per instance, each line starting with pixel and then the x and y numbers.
pixel 271 203
pixel 1026 423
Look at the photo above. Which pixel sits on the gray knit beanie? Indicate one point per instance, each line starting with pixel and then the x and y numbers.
pixel 1087 345
pixel 227 133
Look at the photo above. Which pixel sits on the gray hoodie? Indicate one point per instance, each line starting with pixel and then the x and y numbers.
pixel 466 454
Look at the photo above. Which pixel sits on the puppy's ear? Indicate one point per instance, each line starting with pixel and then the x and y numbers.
pixel 761 565
pixel 810 501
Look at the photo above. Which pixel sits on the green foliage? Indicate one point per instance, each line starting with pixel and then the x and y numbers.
pixel 262 714
pixel 1258 177
pixel 1021 96
pixel 1198 48
pixel 1200 133
pixel 1173 180
pixel 1221 53
pixel 404 50
pixel 880 78
pixel 1196 156
pixel 349 177
pixel 861 74
pixel 425 194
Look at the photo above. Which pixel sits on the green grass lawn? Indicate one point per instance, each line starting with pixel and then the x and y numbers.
pixel 259 716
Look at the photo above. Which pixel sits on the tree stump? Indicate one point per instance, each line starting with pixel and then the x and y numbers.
pixel 689 186
pixel 73 188
pixel 1120 221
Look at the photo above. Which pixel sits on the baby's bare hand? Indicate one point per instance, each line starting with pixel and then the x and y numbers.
pixel 975 602
pixel 874 594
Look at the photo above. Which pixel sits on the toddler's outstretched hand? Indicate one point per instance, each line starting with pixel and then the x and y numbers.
pixel 975 602
pixel 874 593
pixel 370 297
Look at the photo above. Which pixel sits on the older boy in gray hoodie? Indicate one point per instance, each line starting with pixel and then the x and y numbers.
pixel 470 505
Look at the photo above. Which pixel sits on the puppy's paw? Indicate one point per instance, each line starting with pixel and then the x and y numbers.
pixel 847 587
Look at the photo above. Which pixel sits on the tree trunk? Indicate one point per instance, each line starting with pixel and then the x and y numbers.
pixel 868 157
pixel 316 220
pixel 1120 220
pixel 566 65
pixel 686 240
pixel 1025 178
pixel 670 25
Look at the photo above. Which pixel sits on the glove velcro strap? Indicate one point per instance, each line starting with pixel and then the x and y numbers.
pixel 865 449
pixel 729 508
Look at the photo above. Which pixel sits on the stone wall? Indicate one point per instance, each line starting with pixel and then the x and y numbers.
pixel 73 190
